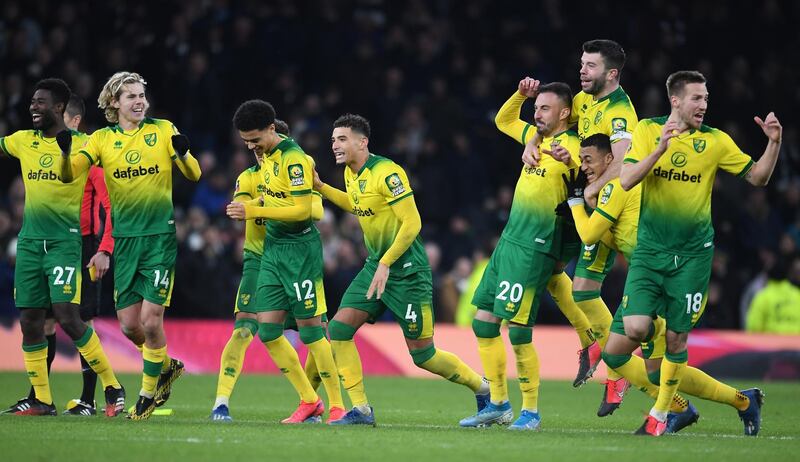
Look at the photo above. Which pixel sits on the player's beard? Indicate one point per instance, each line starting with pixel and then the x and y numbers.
pixel 597 86
pixel 46 122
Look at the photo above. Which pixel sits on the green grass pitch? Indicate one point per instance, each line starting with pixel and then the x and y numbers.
pixel 417 420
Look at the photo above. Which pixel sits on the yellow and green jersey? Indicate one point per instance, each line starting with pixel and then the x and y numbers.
pixel 52 208
pixel 532 221
pixel 137 166
pixel 372 191
pixel 250 185
pixel 287 172
pixel 621 208
pixel 676 193
pixel 612 115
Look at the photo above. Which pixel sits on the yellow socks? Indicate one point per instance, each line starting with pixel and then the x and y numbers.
pixel 36 366
pixel 447 365
pixel 320 349
pixel 560 288
pixel 633 368
pixel 527 366
pixel 285 357
pixel 493 358
pixel 153 358
pixel 673 367
pixel 348 361
pixel 92 351
pixel 312 374
pixel 590 302
pixel 230 364
pixel 697 383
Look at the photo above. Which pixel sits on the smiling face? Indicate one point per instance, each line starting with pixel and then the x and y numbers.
pixel 691 104
pixel 594 75
pixel 259 141
pixel 131 103
pixel 347 144
pixel 44 113
pixel 594 162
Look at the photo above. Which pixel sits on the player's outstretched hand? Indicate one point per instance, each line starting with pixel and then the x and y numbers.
pixel 531 155
pixel 559 153
pixel 180 143
pixel 64 140
pixel 378 284
pixel 771 126
pixel 236 211
pixel 528 87
pixel 575 184
pixel 318 184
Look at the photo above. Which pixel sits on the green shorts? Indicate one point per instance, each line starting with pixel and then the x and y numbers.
pixel 677 283
pixel 47 272
pixel 409 298
pixel 290 279
pixel 513 282
pixel 595 262
pixel 144 268
pixel 246 295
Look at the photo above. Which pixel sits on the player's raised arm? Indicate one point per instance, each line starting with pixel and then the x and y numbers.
pixel 186 163
pixel 507 119
pixel 761 171
pixel 634 168
pixel 72 166
pixel 334 195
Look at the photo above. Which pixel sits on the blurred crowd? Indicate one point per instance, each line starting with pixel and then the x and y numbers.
pixel 430 76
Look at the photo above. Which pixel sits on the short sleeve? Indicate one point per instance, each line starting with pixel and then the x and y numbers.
pixel 611 201
pixel 243 188
pixel 573 115
pixel 394 184
pixel 731 158
pixel 641 144
pixel 11 144
pixel 621 120
pixel 300 172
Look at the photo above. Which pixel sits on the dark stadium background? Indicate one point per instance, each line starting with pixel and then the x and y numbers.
pixel 430 76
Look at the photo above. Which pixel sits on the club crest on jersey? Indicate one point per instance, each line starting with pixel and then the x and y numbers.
pixel 619 124
pixel 699 145
pixel 46 161
pixel 395 184
pixel 606 194
pixel 133 157
pixel 598 117
pixel 362 185
pixel 245 299
pixel 296 175
pixel 678 159
pixel 150 139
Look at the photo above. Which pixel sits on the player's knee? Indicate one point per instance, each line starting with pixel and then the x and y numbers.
pixel 485 329
pixel 422 355
pixel 152 325
pixel 247 325
pixel 268 331
pixel 340 331
pixel 310 334
pixel 614 361
pixel 31 325
pixel 520 335
pixel 636 332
